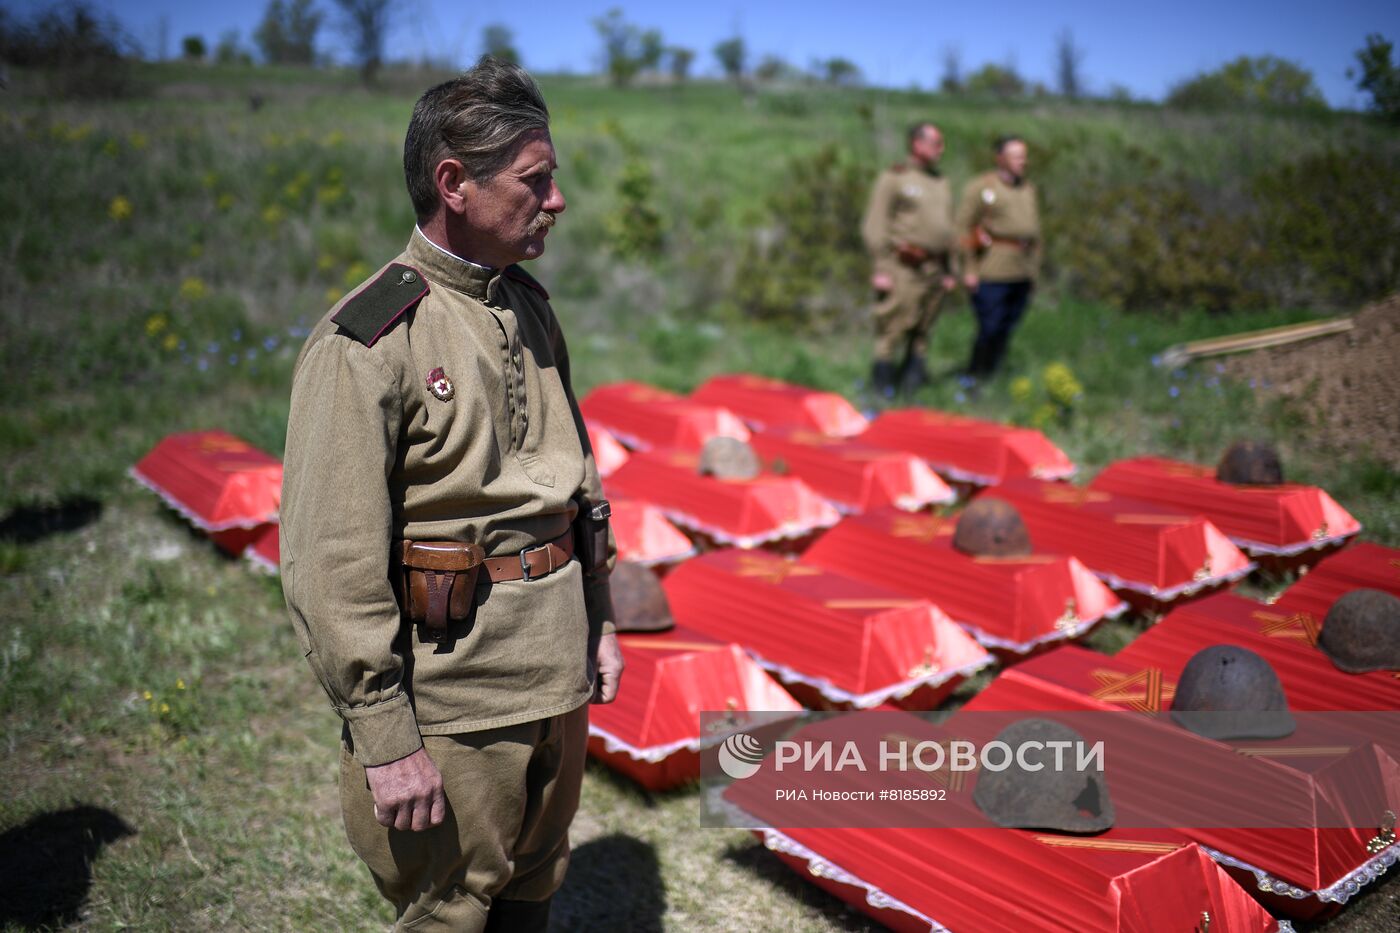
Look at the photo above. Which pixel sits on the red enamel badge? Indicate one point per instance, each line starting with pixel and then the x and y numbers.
pixel 439 384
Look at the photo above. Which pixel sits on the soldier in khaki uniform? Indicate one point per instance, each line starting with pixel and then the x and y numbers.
pixel 436 468
pixel 999 235
pixel 908 231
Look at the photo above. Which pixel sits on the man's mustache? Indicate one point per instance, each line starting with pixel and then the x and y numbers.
pixel 543 221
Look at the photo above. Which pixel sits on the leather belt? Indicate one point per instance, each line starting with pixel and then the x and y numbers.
pixel 1023 243
pixel 531 563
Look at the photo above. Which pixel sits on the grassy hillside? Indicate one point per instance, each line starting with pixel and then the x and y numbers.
pixel 161 258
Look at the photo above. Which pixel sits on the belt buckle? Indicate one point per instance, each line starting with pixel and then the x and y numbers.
pixel 525 562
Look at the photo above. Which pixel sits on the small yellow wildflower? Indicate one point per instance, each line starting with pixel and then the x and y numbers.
pixel 196 250
pixel 273 215
pixel 193 289
pixel 224 202
pixel 355 274
pixel 165 708
pixel 325 262
pixel 328 195
pixel 155 324
pixel 146 695
pixel 1043 415
pixel 137 140
pixel 180 683
pixel 1021 388
pixel 110 148
pixel 171 343
pixel 334 138
pixel 332 295
pixel 120 208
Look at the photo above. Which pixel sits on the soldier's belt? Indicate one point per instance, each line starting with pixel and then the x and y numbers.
pixel 915 256
pixel 435 581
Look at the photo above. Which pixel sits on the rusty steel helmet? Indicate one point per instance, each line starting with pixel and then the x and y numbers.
pixel 729 458
pixel 1067 798
pixel 991 527
pixel 1229 692
pixel 639 602
pixel 1362 632
pixel 1250 463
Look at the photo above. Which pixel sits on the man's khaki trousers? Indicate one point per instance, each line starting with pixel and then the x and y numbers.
pixel 511 794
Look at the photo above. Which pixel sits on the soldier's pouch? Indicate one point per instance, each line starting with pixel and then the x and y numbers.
pixel 591 534
pixel 435 582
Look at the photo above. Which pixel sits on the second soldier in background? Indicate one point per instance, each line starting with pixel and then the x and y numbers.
pixel 908 231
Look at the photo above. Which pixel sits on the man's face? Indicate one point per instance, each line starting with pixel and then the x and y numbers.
pixel 508 216
pixel 1012 159
pixel 928 145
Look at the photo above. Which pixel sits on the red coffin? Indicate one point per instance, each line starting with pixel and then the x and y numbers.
pixel 264 552
pixel 770 403
pixel 851 475
pixel 1153 555
pixel 742 513
pixel 651 732
pixel 1361 566
pixel 644 417
pixel 1014 606
pixel 221 484
pixel 1302 872
pixel 969 450
pixel 1285 637
pixel 645 536
pixel 608 453
pixel 991 880
pixel 1266 521
pixel 833 641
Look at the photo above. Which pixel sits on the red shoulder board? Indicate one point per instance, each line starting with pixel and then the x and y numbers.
pixel 524 278
pixel 372 310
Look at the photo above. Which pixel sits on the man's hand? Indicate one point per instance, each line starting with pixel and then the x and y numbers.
pixel 970 282
pixel 882 282
pixel 609 665
pixel 408 792
pixel 949 283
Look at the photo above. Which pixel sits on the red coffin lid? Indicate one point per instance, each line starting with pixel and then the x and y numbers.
pixel 1280 520
pixel 1305 767
pixel 644 535
pixel 854 641
pixel 644 417
pixel 1130 543
pixel 1014 605
pixel 1362 566
pixel 1002 880
pixel 851 475
pixel 969 450
pixel 771 403
pixel 744 513
pixel 608 452
pixel 1285 637
pixel 214 479
pixel 672 677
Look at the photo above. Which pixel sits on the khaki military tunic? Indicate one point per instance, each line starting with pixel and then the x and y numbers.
pixel 376 453
pixel 1010 216
pixel 909 205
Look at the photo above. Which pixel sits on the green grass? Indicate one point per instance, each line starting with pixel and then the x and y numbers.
pixel 187 313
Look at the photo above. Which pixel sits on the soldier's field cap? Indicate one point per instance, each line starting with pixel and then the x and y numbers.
pixel 639 602
pixel 1228 692
pixel 729 458
pixel 1067 798
pixel 1250 463
pixel 991 527
pixel 1362 632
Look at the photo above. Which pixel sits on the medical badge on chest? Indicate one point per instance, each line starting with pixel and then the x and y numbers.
pixel 440 385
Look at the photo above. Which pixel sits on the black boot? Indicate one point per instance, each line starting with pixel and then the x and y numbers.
pixel 882 378
pixel 508 916
pixel 915 375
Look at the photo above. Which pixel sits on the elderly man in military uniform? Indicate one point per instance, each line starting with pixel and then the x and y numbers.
pixel 908 231
pixel 445 550
pixel 999 237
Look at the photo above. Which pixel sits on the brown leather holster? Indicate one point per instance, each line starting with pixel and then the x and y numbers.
pixel 591 534
pixel 911 255
pixel 435 582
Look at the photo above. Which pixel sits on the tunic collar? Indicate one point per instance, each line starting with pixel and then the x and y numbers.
pixel 442 267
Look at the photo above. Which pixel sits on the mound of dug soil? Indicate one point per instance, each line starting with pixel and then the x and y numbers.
pixel 1348 385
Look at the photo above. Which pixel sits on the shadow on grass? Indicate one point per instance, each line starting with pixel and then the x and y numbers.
pixel 614 883
pixel 27 524
pixel 46 864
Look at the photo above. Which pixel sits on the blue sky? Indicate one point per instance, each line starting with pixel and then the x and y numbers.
pixel 1145 47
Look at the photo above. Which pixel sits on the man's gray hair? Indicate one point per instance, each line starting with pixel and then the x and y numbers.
pixel 477 117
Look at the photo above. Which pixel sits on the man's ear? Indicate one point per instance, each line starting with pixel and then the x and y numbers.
pixel 450 179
